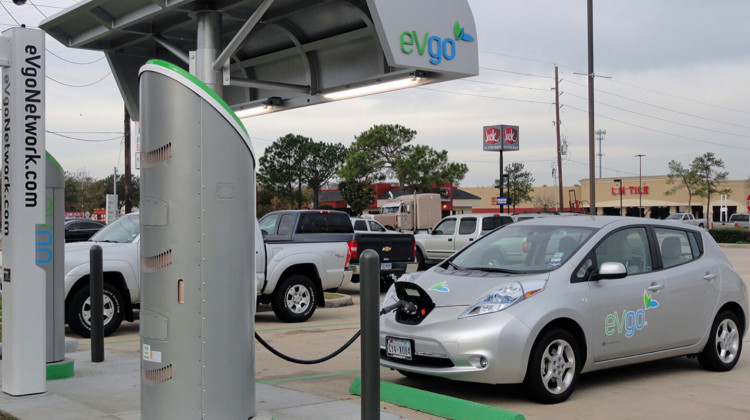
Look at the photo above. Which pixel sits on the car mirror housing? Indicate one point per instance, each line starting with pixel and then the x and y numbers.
pixel 610 271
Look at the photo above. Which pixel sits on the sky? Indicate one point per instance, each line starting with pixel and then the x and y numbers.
pixel 675 84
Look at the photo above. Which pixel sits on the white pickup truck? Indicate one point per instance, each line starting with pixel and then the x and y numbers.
pixel 737 220
pixel 687 218
pixel 291 276
pixel 453 233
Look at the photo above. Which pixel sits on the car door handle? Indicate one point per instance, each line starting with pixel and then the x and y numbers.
pixel 655 287
pixel 471 239
pixel 450 239
pixel 709 277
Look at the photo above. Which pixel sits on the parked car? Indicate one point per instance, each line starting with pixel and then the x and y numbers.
pixel 737 220
pixel 369 225
pixel 77 230
pixel 542 301
pixel 687 218
pixel 453 233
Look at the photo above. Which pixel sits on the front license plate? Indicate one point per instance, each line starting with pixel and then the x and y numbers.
pixel 398 348
pixel 386 266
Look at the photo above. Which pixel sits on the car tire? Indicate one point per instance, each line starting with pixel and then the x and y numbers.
pixel 78 311
pixel 420 261
pixel 724 345
pixel 295 299
pixel 553 367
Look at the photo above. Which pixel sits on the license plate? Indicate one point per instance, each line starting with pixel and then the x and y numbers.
pixel 386 266
pixel 398 348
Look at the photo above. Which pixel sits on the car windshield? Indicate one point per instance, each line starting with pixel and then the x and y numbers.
pixel 523 248
pixel 674 216
pixel 123 230
pixel 390 209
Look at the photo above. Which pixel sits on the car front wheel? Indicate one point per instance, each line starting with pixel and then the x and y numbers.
pixel 78 312
pixel 295 299
pixel 552 373
pixel 724 344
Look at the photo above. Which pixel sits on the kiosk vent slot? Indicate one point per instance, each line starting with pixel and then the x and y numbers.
pixel 157 156
pixel 157 262
pixel 157 376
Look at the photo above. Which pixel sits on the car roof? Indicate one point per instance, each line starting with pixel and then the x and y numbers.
pixel 601 221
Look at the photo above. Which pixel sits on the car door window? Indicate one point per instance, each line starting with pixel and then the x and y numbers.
pixel 674 246
pixel 375 227
pixel 286 223
pixel 446 227
pixel 360 225
pixel 467 226
pixel 268 224
pixel 629 247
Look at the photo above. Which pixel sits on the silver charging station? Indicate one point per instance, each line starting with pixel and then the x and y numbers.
pixel 53 260
pixel 197 251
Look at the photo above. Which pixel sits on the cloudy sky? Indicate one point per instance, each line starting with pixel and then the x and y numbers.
pixel 677 86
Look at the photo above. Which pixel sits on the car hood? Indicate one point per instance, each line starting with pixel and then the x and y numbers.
pixel 77 253
pixel 447 287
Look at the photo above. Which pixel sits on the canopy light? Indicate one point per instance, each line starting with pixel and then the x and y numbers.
pixel 376 88
pixel 265 107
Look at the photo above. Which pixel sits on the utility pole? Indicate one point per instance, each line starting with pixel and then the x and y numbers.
pixel 600 136
pixel 592 161
pixel 640 186
pixel 557 129
pixel 128 204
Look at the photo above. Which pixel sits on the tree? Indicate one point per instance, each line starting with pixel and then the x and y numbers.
pixel 686 177
pixel 357 193
pixel 322 162
pixel 383 152
pixel 82 192
pixel 281 168
pixel 106 185
pixel 520 184
pixel 709 177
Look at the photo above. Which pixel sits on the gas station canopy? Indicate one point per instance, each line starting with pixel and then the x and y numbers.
pixel 268 55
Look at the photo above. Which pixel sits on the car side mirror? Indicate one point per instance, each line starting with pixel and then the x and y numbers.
pixel 610 271
pixel 263 232
pixel 429 231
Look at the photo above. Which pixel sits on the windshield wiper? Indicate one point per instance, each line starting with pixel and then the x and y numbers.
pixel 455 266
pixel 494 270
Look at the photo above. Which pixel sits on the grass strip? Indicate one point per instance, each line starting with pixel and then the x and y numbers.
pixel 436 404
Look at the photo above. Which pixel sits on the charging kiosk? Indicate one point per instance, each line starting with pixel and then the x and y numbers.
pixel 197 251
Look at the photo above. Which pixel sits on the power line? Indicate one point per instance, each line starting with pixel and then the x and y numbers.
pixel 702 141
pixel 516 72
pixel 662 107
pixel 485 96
pixel 80 86
pixel 82 139
pixel 74 62
pixel 505 85
pixel 10 14
pixel 663 119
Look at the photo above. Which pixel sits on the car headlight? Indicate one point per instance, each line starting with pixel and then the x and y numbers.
pixel 496 300
pixel 390 298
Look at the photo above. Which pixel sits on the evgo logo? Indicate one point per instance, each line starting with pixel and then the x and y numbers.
pixel 438 48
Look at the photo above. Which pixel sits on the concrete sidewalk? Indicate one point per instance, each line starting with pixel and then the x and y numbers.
pixel 111 390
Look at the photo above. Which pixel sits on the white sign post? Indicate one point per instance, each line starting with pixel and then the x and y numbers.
pixel 26 240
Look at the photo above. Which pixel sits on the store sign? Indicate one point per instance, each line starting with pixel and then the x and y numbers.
pixel 634 190
pixel 747 202
pixel 500 138
pixel 431 35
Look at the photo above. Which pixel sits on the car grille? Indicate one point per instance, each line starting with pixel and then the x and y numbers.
pixel 419 361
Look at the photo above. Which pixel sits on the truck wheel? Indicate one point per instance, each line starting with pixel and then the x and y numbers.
pixel 78 311
pixel 294 300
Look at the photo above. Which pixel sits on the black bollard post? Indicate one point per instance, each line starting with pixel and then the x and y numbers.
pixel 369 291
pixel 96 297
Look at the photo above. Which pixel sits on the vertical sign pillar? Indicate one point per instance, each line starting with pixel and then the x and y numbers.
pixel 26 242
pixel 197 246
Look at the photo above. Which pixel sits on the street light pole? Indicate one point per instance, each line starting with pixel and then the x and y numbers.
pixel 640 186
pixel 619 192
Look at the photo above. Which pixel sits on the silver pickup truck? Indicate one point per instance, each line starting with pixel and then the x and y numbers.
pixel 687 218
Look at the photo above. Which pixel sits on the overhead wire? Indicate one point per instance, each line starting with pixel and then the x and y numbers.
pixel 83 139
pixel 79 86
pixel 74 62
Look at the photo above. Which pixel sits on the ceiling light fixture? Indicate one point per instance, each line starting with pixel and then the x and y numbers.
pixel 265 107
pixel 378 87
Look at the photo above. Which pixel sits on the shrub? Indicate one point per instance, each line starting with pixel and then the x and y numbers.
pixel 730 235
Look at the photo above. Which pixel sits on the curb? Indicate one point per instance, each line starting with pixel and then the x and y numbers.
pixel 436 404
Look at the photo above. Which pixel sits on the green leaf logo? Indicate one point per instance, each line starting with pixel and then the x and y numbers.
pixel 460 33
pixel 649 303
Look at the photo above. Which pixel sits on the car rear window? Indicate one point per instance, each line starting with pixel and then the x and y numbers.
pixel 741 217
pixel 491 223
pixel 324 223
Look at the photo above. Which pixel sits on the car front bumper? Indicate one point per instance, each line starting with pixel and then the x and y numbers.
pixel 453 348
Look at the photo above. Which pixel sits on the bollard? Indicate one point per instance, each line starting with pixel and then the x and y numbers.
pixel 369 291
pixel 96 308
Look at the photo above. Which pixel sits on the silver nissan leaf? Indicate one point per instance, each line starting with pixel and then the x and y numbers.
pixel 540 301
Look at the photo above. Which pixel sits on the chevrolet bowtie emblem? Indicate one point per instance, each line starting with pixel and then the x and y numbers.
pixel 387 249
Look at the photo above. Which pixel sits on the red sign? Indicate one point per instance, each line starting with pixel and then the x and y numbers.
pixel 491 135
pixel 747 203
pixel 510 135
pixel 644 190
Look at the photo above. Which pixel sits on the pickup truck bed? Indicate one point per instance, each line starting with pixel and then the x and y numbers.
pixel 396 252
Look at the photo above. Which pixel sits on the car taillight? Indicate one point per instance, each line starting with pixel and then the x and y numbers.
pixel 525 247
pixel 352 253
pixel 736 224
pixel 414 251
